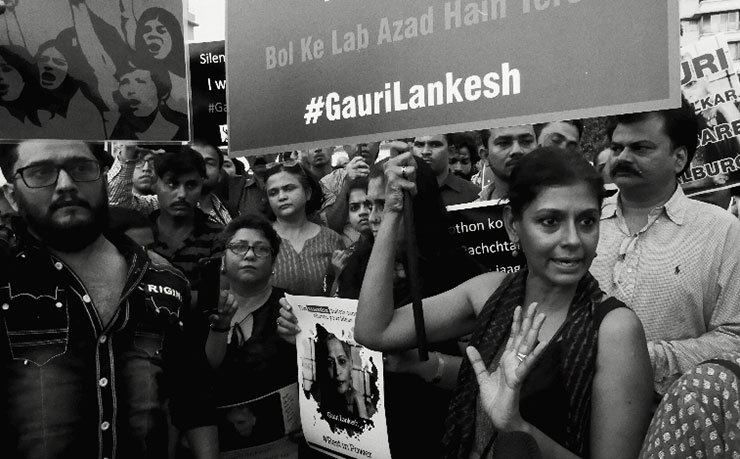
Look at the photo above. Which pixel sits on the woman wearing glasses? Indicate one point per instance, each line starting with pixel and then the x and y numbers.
pixel 249 358
pixel 305 258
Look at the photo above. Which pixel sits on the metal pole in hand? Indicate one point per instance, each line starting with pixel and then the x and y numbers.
pixel 413 275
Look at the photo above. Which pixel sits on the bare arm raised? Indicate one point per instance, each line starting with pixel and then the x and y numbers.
pixel 448 315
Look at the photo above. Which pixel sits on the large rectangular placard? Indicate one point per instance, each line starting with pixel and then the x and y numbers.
pixel 208 89
pixel 312 72
pixel 93 70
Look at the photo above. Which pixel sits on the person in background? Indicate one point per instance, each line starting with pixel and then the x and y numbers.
pixel 335 186
pixel 79 378
pixel 319 161
pixel 572 369
pixel 463 163
pixel 242 345
pixel 182 232
pixel 435 151
pixel 664 255
pixel 560 134
pixel 210 203
pixel 305 257
pixel 506 146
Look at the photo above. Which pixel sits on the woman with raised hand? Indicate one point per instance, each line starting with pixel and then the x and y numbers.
pixel 305 257
pixel 249 358
pixel 572 370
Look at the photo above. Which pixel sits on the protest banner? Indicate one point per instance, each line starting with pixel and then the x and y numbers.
pixel 259 428
pixel 341 383
pixel 93 70
pixel 478 227
pixel 332 72
pixel 208 92
pixel 709 81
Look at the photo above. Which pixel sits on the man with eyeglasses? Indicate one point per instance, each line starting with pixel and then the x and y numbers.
pixel 134 165
pixel 89 322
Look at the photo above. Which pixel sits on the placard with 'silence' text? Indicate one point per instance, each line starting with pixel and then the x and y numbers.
pixel 316 72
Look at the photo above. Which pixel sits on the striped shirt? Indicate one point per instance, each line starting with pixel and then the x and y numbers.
pixel 203 242
pixel 302 273
pixel 680 274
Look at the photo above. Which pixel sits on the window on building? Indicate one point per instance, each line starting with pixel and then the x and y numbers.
pixel 720 22
pixel 734 50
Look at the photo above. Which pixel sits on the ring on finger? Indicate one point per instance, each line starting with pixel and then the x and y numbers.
pixel 521 356
pixel 403 172
pixel 277 321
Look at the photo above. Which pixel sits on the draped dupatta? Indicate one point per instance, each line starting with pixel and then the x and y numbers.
pixel 579 336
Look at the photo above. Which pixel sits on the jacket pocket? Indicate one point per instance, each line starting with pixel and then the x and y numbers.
pixel 37 325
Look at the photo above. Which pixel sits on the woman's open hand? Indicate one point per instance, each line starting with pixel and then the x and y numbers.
pixel 287 323
pixel 499 391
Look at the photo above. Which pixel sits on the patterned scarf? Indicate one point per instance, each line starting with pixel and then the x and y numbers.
pixel 579 335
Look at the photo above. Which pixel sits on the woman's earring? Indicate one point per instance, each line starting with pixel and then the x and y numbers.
pixel 515 250
pixel 223 266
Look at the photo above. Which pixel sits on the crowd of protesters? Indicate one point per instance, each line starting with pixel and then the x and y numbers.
pixel 141 291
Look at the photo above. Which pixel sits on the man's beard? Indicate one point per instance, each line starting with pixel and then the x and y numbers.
pixel 65 238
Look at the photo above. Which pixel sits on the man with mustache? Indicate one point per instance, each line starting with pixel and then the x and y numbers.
pixel 183 234
pixel 89 321
pixel 435 151
pixel 132 161
pixel 505 146
pixel 673 260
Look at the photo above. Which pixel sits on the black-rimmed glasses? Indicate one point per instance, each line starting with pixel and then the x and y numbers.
pixel 45 174
pixel 240 249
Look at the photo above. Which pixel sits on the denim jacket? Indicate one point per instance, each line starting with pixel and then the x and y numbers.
pixel 72 388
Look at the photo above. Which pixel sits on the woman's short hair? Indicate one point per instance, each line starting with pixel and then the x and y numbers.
pixel 305 178
pixel 257 223
pixel 547 167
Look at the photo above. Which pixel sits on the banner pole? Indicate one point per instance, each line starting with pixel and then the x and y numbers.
pixel 412 257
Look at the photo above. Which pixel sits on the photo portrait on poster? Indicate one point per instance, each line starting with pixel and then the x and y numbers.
pixel 341 383
pixel 260 428
pixel 93 70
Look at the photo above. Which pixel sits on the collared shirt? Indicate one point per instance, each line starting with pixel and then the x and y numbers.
pixel 71 387
pixel 456 190
pixel 203 242
pixel 218 214
pixel 680 274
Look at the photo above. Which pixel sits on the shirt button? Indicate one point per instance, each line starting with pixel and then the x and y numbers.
pixel 6 306
pixel 105 425
pixel 103 382
pixel 103 339
pixel 58 265
pixel 86 298
pixel 58 304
